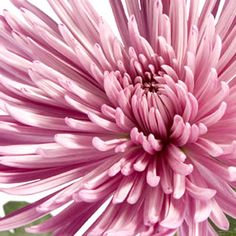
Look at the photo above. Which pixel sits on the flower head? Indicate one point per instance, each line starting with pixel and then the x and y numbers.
pixel 147 120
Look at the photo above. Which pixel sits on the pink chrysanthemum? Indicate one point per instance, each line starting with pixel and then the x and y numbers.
pixel 148 121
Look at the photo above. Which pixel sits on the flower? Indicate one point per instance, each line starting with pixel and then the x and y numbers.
pixel 146 122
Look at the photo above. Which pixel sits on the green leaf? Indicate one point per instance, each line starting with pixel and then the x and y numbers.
pixel 6 233
pixel 14 205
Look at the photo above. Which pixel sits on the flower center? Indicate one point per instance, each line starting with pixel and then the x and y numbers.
pixel 149 82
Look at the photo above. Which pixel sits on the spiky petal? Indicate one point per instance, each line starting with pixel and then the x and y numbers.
pixel 148 120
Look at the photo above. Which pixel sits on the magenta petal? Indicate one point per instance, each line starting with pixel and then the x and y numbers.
pixel 144 123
